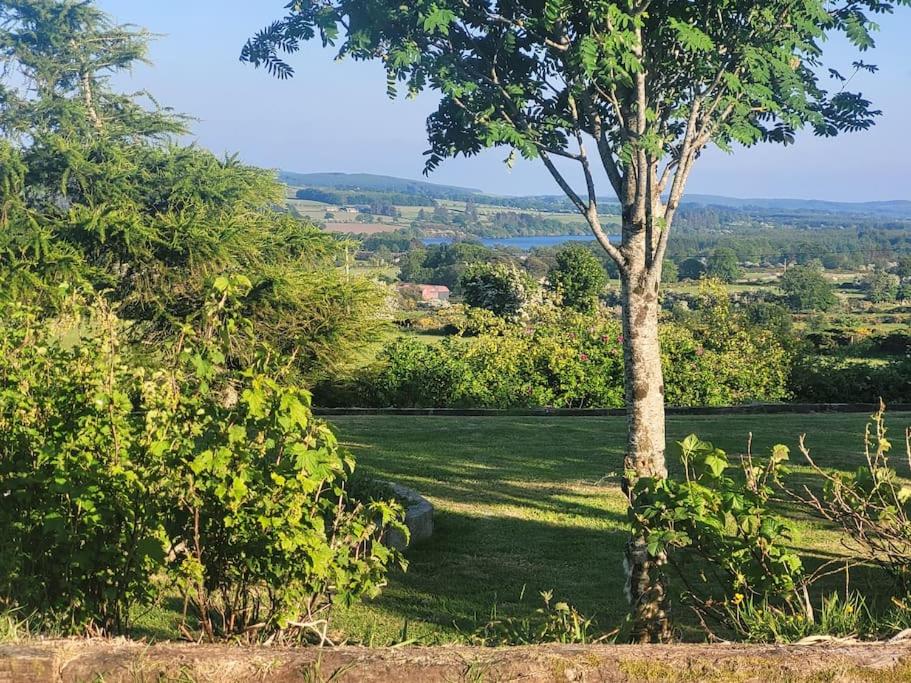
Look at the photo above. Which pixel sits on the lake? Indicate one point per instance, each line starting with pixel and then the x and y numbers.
pixel 523 243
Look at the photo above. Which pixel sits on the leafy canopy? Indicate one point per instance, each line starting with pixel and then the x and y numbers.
pixel 650 82
pixel 806 288
pixel 578 277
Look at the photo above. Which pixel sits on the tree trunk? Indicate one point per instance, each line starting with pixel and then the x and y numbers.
pixel 646 585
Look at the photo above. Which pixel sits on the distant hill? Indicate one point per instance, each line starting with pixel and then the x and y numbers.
pixel 375 183
pixel 381 183
pixel 897 208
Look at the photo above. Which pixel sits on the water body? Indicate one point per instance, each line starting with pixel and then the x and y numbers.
pixel 523 243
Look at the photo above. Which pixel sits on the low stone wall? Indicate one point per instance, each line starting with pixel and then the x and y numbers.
pixel 746 409
pixel 120 661
pixel 418 519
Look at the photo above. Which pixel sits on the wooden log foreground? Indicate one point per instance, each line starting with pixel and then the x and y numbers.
pixel 120 661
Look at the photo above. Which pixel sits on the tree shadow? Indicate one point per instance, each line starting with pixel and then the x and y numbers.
pixel 472 565
pixel 526 505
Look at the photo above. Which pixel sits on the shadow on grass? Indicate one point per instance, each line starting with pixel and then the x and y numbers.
pixel 475 563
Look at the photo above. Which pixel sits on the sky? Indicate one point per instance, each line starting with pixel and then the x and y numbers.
pixel 335 116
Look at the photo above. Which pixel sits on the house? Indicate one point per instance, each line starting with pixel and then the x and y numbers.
pixel 432 294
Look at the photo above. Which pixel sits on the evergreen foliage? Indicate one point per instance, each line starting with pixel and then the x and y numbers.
pixel 94 190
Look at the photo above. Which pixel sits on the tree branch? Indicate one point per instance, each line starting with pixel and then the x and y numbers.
pixel 589 211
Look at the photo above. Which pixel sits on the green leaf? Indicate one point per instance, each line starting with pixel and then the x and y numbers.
pixel 438 20
pixel 691 37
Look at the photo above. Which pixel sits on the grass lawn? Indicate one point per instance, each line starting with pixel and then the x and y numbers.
pixel 532 504
pixel 527 504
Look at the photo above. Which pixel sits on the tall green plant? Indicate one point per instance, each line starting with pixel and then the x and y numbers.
pixel 85 480
pixel 265 535
pixel 725 521
pixel 117 473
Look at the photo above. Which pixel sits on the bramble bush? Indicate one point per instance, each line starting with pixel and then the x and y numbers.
pixel 563 358
pixel 717 528
pixel 84 490
pixel 124 479
pixel 872 505
pixel 722 519
pixel 268 535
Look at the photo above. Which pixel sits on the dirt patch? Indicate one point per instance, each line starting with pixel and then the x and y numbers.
pixel 123 661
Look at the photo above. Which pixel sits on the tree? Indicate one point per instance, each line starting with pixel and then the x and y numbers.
pixel 669 272
pixel 578 277
pixel 649 84
pixel 442 215
pixel 692 269
pixel 881 286
pixel 95 192
pixel 806 288
pixel 471 211
pixel 903 267
pixel 501 288
pixel 723 265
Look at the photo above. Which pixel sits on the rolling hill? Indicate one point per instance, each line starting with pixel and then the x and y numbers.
pixel 382 183
pixel 375 183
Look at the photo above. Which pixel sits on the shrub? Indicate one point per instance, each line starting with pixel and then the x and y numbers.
pixel 806 289
pixel 725 521
pixel 825 379
pixel 414 374
pixel 566 359
pixel 872 506
pixel 578 277
pixel 84 486
pixel 718 357
pixel 501 288
pixel 114 470
pixel 562 359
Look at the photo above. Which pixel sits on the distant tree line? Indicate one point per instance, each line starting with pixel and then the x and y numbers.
pixel 343 198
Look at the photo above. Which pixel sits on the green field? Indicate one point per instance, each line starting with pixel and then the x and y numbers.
pixel 316 211
pixel 532 504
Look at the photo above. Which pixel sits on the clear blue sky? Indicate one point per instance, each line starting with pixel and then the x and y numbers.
pixel 336 116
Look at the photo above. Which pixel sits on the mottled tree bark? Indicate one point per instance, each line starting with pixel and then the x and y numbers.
pixel 644 385
pixel 645 584
pixel 640 185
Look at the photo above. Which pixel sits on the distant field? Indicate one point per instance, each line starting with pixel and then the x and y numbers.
pixel 361 228
pixel 317 211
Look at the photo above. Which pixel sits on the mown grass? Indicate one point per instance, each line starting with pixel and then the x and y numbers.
pixel 532 504
pixel 527 504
